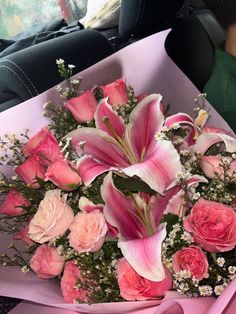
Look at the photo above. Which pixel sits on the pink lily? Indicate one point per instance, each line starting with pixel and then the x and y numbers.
pixel 129 149
pixel 206 140
pixel 140 232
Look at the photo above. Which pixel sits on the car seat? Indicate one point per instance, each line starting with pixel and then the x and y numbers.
pixel 191 45
pixel 30 71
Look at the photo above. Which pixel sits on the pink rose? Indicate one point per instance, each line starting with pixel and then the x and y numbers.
pixel 212 225
pixel 14 204
pixel 45 145
pixel 69 279
pixel 30 170
pixel 23 235
pixel 134 287
pixel 46 262
pixel 61 173
pixel 88 206
pixel 193 259
pixel 82 107
pixel 212 165
pixel 88 231
pixel 52 218
pixel 116 92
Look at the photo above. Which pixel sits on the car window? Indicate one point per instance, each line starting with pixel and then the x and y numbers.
pixel 22 15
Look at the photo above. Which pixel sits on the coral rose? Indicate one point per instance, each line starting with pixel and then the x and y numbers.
pixel 52 218
pixel 135 287
pixel 212 225
pixel 61 173
pixel 88 231
pixel 211 165
pixel 14 204
pixel 69 279
pixel 44 145
pixel 193 259
pixel 30 170
pixel 116 92
pixel 82 107
pixel 46 262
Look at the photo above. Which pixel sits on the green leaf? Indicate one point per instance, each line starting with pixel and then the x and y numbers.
pixel 133 185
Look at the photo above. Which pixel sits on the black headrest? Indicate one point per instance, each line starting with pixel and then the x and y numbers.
pixel 191 45
pixel 144 17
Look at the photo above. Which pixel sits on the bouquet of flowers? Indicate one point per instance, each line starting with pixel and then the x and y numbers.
pixel 120 200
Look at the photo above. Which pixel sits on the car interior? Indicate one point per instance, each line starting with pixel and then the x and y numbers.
pixel 31 69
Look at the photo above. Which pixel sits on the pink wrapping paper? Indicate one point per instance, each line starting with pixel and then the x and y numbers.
pixel 147 68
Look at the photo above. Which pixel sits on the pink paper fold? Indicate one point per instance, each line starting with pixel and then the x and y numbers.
pixel 154 73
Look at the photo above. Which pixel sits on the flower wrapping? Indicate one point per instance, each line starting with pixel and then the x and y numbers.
pixel 155 74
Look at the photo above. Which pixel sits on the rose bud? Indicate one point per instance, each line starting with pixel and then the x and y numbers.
pixel 212 165
pixel 62 174
pixel 116 92
pixel 14 204
pixel 82 107
pixel 30 170
pixel 45 145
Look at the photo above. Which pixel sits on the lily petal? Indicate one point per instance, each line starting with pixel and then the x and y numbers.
pixel 119 210
pixel 99 145
pixel 206 140
pixel 145 120
pixel 179 118
pixel 105 111
pixel 159 169
pixel 144 254
pixel 89 169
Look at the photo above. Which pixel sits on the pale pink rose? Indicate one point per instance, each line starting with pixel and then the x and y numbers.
pixel 82 107
pixel 212 165
pixel 62 174
pixel 46 262
pixel 69 279
pixel 212 225
pixel 52 219
pixel 23 235
pixel 14 204
pixel 116 92
pixel 88 231
pixel 88 206
pixel 134 287
pixel 45 145
pixel 193 259
pixel 30 170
